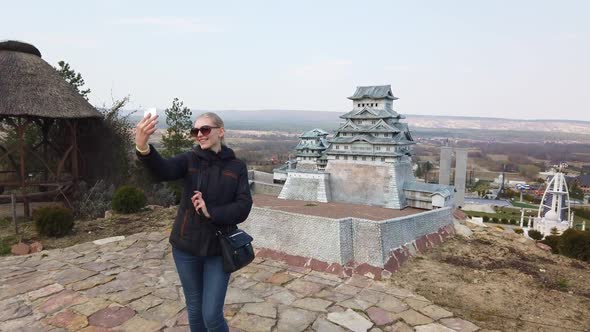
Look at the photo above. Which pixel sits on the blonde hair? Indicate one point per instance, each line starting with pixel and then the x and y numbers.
pixel 216 121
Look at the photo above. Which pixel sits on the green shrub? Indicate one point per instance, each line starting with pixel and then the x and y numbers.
pixel 505 221
pixel 518 231
pixel 494 219
pixel 535 234
pixel 53 220
pixel 91 202
pixel 575 244
pixel 486 219
pixel 553 241
pixel 162 195
pixel 4 248
pixel 128 199
pixel 513 221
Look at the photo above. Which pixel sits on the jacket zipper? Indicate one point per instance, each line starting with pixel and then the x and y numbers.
pixel 183 223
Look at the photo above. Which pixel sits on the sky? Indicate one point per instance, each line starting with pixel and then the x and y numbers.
pixel 507 59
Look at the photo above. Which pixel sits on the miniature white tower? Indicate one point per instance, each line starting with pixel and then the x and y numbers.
pixel 554 210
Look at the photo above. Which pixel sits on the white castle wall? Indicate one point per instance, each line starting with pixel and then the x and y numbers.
pixel 370 183
pixel 307 186
pixel 262 183
pixel 340 240
pixel 325 239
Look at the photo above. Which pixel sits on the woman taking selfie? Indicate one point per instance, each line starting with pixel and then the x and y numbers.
pixel 216 196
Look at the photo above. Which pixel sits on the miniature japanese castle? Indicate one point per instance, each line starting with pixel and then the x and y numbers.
pixel 311 150
pixel 367 161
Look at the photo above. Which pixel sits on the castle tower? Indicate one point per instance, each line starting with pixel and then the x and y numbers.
pixel 310 150
pixel 369 156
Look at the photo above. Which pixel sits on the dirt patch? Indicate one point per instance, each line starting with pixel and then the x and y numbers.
pixel 84 231
pixel 502 281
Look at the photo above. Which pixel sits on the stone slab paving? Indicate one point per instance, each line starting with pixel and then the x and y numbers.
pixel 131 284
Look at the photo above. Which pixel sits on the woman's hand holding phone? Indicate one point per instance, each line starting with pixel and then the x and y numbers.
pixel 145 128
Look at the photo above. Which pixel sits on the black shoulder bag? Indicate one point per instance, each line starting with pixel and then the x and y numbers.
pixel 236 246
pixel 236 249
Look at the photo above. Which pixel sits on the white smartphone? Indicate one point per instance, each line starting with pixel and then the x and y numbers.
pixel 152 111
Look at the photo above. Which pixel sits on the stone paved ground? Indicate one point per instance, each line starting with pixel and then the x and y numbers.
pixel 132 285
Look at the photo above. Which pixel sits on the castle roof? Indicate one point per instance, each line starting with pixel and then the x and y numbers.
pixel 321 144
pixel 400 138
pixel 372 113
pixel 373 92
pixel 314 133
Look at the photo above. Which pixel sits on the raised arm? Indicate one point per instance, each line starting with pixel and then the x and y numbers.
pixel 163 169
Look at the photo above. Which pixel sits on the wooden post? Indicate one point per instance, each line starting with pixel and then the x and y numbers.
pixel 74 153
pixel 23 176
pixel 13 206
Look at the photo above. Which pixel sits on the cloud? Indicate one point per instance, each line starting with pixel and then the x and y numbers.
pixel 182 24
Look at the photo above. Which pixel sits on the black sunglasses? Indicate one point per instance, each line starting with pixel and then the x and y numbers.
pixel 205 130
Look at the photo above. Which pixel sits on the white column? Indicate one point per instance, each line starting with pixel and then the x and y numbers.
pixel 521 217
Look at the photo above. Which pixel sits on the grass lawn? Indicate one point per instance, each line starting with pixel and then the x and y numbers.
pixel 525 205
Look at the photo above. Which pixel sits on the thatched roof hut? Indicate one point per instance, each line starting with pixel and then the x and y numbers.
pixel 29 86
pixel 32 92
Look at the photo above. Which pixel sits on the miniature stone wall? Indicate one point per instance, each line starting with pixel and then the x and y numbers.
pixel 377 184
pixel 262 183
pixel 307 186
pixel 349 245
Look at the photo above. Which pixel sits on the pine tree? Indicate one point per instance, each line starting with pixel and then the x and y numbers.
pixel 177 138
pixel 75 79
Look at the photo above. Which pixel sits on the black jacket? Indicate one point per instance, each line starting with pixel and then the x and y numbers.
pixel 221 178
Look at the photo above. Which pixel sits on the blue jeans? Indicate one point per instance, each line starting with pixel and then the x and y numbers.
pixel 204 284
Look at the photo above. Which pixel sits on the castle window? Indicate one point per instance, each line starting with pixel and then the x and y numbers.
pixel 388 149
pixel 377 148
pixel 346 147
pixel 359 105
pixel 337 157
pixel 373 122
pixel 364 158
pixel 372 158
pixel 354 158
pixel 337 147
pixel 382 158
pixel 345 157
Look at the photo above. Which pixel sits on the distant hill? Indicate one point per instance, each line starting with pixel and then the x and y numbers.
pixel 297 121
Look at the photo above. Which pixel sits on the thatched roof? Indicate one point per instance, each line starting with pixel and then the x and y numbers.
pixel 29 86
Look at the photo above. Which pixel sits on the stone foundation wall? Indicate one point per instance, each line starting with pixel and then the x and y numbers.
pixel 346 246
pixel 369 183
pixel 260 176
pixel 266 188
pixel 307 186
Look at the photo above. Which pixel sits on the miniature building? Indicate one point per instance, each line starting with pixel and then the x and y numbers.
pixel 554 210
pixel 368 160
pixel 372 131
pixel 310 150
